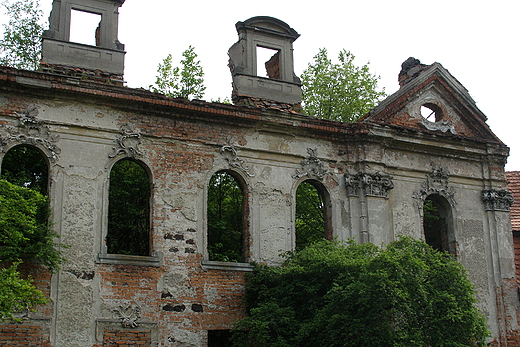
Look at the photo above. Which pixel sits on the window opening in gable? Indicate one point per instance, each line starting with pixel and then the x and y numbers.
pixel 25 166
pixel 436 224
pixel 267 62
pixel 129 209
pixel 312 220
pixel 85 27
pixel 226 217
pixel 219 338
pixel 431 112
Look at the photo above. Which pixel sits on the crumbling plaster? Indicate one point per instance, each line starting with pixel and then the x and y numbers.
pixel 179 290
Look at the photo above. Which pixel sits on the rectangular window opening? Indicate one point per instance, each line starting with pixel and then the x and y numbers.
pixel 267 62
pixel 219 338
pixel 85 27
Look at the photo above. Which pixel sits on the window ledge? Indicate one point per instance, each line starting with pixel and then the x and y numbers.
pixel 222 265
pixel 104 258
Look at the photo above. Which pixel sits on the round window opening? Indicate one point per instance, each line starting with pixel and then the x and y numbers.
pixel 431 112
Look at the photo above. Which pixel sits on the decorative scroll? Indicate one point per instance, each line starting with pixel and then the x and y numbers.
pixel 128 315
pixel 230 153
pixel 127 142
pixel 32 131
pixel 312 167
pixel 376 185
pixel 497 200
pixel 443 126
pixel 437 182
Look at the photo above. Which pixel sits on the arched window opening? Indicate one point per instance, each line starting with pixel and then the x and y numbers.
pixel 129 209
pixel 25 166
pixel 312 220
pixel 27 233
pixel 436 223
pixel 225 217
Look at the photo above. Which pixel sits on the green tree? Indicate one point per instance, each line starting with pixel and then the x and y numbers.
pixel 225 230
pixel 25 235
pixel 25 166
pixel 21 44
pixel 24 221
pixel 338 91
pixel 331 294
pixel 186 81
pixel 17 294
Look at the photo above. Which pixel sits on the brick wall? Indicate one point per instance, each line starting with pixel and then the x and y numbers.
pixel 125 338
pixel 23 335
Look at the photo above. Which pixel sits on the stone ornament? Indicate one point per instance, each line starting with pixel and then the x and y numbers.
pixel 230 154
pixel 312 167
pixel 128 314
pixel 497 200
pixel 437 182
pixel 31 131
pixel 376 185
pixel 127 142
pixel 442 126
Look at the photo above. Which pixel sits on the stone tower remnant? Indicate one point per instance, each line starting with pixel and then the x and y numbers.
pixel 281 85
pixel 104 60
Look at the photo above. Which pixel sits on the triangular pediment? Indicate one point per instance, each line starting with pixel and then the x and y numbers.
pixel 452 111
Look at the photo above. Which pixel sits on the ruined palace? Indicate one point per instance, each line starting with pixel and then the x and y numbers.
pixel 374 177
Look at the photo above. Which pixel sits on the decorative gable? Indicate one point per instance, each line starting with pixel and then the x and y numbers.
pixel 432 100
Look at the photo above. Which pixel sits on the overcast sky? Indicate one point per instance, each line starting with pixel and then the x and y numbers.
pixel 477 41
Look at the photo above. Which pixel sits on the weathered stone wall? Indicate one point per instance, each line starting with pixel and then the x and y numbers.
pixel 375 176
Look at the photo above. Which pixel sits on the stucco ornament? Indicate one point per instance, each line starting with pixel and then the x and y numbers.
pixel 312 167
pixel 497 200
pixel 128 314
pixel 229 152
pixel 437 182
pixel 442 126
pixel 376 185
pixel 31 131
pixel 127 142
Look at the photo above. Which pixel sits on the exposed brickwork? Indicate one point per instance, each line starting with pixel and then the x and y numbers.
pixel 84 74
pixel 126 338
pixel 272 66
pixel 194 309
pixel 23 335
pixel 513 181
pixel 181 300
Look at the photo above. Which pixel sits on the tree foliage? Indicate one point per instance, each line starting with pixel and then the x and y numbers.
pixel 24 221
pixel 309 223
pixel 224 212
pixel 129 209
pixel 338 91
pixel 186 81
pixel 20 46
pixel 25 166
pixel 331 294
pixel 17 294
pixel 26 234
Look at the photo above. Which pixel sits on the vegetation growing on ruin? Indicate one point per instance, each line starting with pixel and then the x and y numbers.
pixel 20 46
pixel 185 81
pixel 25 235
pixel 339 91
pixel 334 294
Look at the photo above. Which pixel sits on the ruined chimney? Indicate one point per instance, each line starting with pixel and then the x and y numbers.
pixel 410 69
pixel 281 84
pixel 103 62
